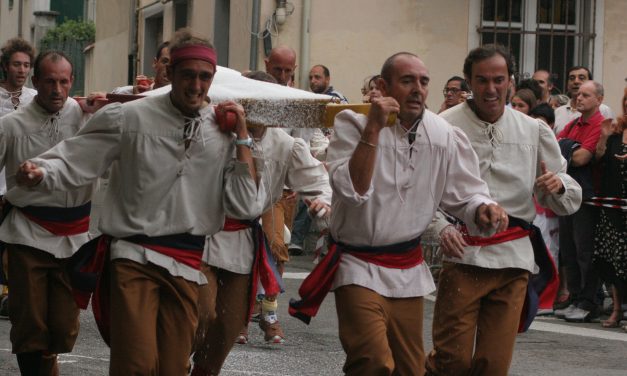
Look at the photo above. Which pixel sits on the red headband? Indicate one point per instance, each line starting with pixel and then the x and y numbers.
pixel 195 51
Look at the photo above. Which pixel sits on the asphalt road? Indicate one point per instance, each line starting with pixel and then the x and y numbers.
pixel 552 347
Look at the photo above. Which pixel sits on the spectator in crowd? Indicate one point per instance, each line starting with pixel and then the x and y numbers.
pixel 370 88
pixel 576 76
pixel 320 83
pixel 610 236
pixel 558 100
pixel 545 112
pixel 144 83
pixel 455 92
pixel 578 141
pixel 524 101
pixel 543 78
pixel 532 85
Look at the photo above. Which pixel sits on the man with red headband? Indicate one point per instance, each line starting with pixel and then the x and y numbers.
pixel 172 180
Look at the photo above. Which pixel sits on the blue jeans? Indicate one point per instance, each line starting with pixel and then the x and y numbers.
pixel 302 223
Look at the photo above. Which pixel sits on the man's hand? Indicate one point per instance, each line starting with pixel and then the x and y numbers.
pixel 142 84
pixel 452 242
pixel 93 102
pixel 548 182
pixel 29 174
pixel 240 126
pixel 491 216
pixel 380 111
pixel 317 208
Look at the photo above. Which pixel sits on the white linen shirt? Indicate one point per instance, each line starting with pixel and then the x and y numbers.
pixel 156 186
pixel 510 165
pixel 26 133
pixel 408 184
pixel 280 160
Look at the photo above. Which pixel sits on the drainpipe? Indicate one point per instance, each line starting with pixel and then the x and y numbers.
pixel 132 55
pixel 303 72
pixel 19 19
pixel 254 39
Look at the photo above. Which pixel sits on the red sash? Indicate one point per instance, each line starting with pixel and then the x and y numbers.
pixel 541 288
pixel 318 284
pixel 264 269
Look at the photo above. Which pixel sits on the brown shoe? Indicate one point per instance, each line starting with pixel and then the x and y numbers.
pixel 272 332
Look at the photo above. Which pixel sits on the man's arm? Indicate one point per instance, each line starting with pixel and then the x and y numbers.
pixel 554 188
pixel 361 164
pixel 581 157
pixel 76 161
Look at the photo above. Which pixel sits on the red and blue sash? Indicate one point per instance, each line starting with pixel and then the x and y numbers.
pixel 318 284
pixel 264 266
pixel 59 221
pixel 89 269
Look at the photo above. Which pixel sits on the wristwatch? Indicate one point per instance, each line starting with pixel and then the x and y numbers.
pixel 246 142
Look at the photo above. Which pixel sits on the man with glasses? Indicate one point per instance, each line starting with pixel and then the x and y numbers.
pixel 455 92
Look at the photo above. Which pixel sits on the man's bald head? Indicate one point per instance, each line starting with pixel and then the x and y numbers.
pixel 281 64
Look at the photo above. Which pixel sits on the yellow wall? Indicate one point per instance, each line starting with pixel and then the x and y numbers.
pixel 615 53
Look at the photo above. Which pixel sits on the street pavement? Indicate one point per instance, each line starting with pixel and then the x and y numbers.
pixel 551 347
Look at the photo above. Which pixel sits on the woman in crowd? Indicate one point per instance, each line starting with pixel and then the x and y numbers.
pixel 524 100
pixel 610 254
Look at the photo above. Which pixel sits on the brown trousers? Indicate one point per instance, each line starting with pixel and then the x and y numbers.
pixel 153 320
pixel 281 213
pixel 381 336
pixel 473 300
pixel 222 310
pixel 43 314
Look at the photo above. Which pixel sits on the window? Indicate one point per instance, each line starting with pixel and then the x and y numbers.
pixel 542 34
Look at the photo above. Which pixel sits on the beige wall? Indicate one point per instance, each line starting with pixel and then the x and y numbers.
pixel 615 52
pixel 9 21
pixel 109 61
pixel 373 33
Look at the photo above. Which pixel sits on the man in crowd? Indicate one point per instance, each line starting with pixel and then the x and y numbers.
pixel 159 66
pixel 173 178
pixel 42 229
pixel 455 92
pixel 16 61
pixel 230 259
pixel 543 78
pixel 388 181
pixel 483 283
pixel 320 82
pixel 576 76
pixel 576 236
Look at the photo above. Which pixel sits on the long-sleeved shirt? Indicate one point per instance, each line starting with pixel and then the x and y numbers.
pixel 408 184
pixel 280 160
pixel 7 105
pixel 157 185
pixel 510 152
pixel 26 133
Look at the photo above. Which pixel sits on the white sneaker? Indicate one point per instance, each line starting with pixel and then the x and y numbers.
pixel 561 313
